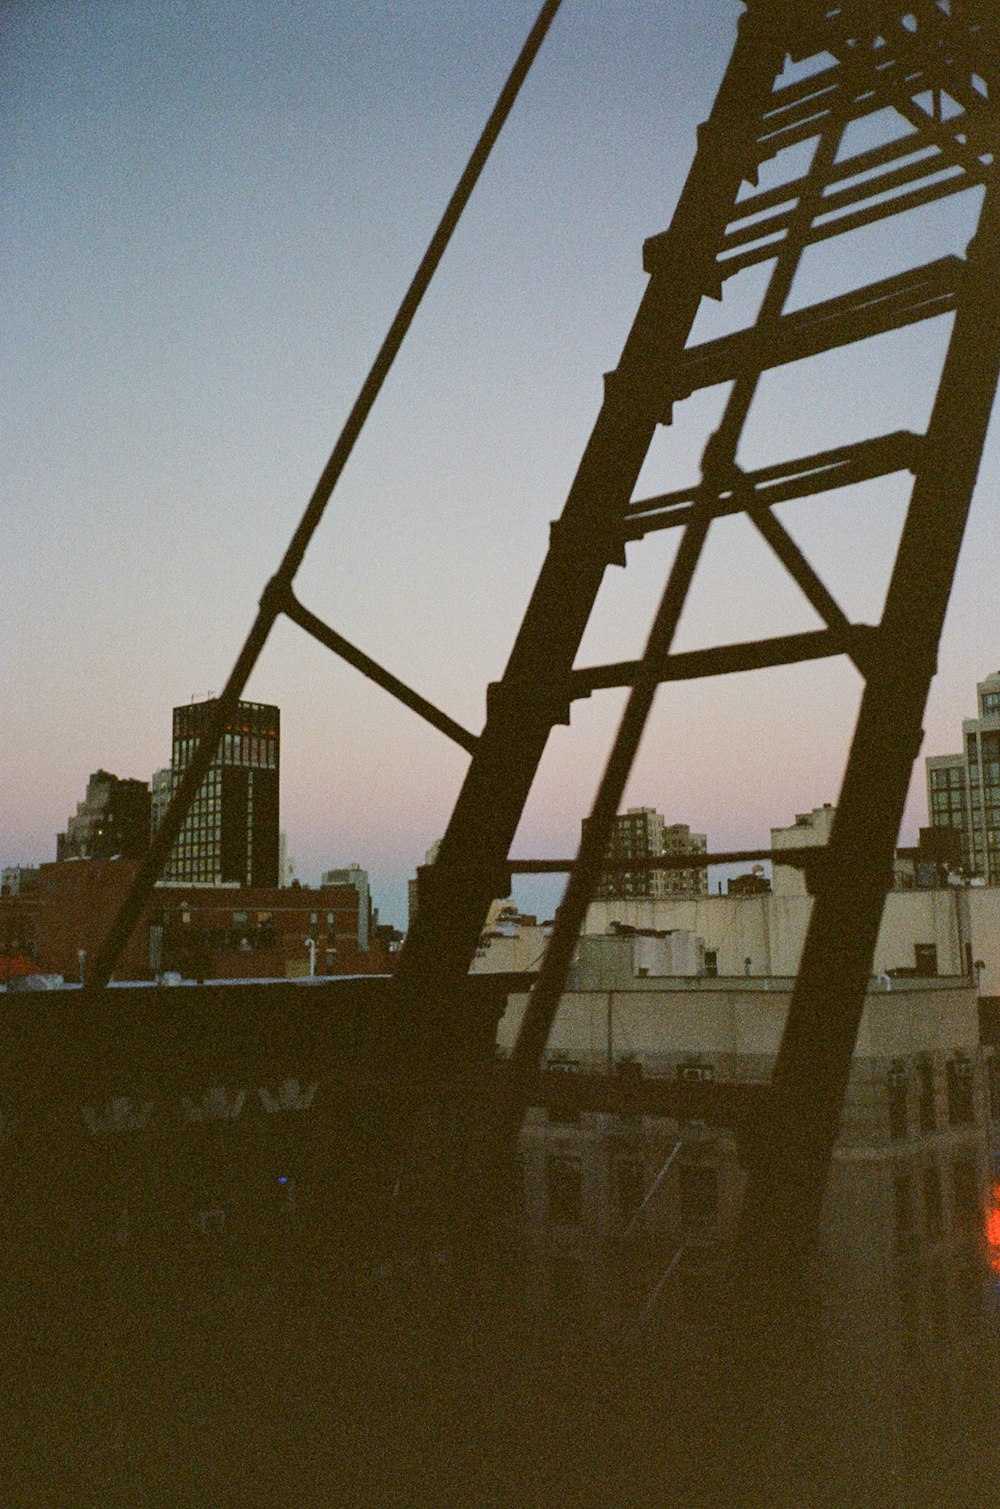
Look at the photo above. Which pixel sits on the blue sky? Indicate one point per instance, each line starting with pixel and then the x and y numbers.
pixel 207 217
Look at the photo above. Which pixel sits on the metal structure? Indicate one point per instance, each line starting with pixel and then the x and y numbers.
pixel 802 72
pixel 935 66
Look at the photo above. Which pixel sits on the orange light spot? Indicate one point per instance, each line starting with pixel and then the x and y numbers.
pixel 993 1229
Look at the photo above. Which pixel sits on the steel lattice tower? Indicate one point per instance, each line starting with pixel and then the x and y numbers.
pixel 936 63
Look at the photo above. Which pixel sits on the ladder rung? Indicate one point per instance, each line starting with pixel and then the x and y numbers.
pixel 800 118
pixel 725 660
pixel 962 34
pixel 889 304
pixel 793 94
pixel 891 152
pixel 837 203
pixel 843 466
pixel 787 124
pixel 835 224
pixel 658 246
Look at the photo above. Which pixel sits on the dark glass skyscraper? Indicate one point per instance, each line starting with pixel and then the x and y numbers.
pixel 231 831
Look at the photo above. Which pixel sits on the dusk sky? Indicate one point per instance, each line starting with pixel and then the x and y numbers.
pixel 208 215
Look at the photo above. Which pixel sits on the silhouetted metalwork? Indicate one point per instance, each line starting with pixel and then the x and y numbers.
pixel 909 58
pixel 935 63
pixel 278 597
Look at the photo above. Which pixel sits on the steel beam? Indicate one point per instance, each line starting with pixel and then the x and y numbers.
pixel 785 1194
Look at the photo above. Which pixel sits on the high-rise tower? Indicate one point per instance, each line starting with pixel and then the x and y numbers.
pixel 112 820
pixel 231 831
pixel 642 833
pixel 963 790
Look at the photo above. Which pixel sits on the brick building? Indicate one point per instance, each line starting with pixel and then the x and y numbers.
pixel 221 932
pixel 19 902
pixel 78 899
pixel 261 932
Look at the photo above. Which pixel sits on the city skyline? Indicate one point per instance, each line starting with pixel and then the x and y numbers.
pixel 204 255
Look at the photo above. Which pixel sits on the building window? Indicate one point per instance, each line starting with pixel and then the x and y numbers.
pixel 928 1106
pixel 961 1082
pixel 925 959
pixel 898 1096
pixel 563 1116
pixel 902 1198
pixel 965 1194
pixel 699 1196
pixel 565 1190
pixel 566 1288
pixel 909 1306
pixel 933 1207
pixel 712 963
pixel 697 1073
pixel 938 1294
pixel 993 1069
pixel 698 1297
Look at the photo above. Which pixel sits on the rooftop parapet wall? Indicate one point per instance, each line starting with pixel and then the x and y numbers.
pixel 660 1024
pixel 60 1045
pixel 770 930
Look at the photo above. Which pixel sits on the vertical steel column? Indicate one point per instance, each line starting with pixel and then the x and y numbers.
pixel 790 1166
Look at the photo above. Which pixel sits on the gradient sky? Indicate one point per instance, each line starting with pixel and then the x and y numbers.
pixel 208 214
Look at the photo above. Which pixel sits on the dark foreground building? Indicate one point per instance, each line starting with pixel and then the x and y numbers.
pixel 262 1246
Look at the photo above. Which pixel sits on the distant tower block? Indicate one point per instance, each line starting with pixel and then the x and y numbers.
pixel 230 834
pixel 642 833
pixel 112 821
pixel 963 790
